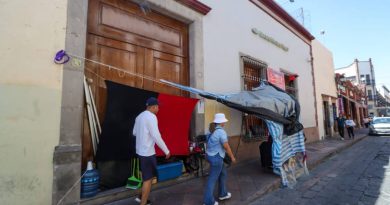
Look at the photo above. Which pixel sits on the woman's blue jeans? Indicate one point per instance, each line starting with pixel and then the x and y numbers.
pixel 217 173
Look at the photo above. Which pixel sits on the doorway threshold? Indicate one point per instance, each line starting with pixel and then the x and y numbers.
pixel 123 193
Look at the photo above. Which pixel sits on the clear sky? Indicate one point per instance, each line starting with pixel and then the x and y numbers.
pixel 353 29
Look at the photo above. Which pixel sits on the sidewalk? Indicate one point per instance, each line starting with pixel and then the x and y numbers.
pixel 246 182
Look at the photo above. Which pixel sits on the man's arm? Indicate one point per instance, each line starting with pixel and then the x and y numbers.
pixel 134 127
pixel 155 133
pixel 134 130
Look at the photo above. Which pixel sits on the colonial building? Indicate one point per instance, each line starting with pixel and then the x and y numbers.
pixel 191 42
pixel 385 94
pixel 352 100
pixel 383 108
pixel 362 72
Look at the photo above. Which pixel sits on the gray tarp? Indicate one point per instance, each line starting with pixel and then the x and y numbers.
pixel 266 97
pixel 266 102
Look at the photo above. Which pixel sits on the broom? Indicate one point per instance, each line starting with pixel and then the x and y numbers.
pixel 134 181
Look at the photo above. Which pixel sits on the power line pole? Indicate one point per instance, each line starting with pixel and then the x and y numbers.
pixel 303 16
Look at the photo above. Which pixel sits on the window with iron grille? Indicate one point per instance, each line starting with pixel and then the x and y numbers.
pixel 369 94
pixel 254 71
pixel 368 80
pixel 290 84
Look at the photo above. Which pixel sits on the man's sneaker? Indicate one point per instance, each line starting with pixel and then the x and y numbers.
pixel 215 203
pixel 228 196
pixel 342 138
pixel 137 199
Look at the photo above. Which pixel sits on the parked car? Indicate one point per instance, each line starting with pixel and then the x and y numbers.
pixel 379 125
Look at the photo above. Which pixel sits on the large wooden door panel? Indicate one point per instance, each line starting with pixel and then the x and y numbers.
pixel 122 59
pixel 123 20
pixel 113 55
pixel 121 36
pixel 163 66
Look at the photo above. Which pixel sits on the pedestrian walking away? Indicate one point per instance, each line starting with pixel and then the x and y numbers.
pixel 217 148
pixel 341 125
pixel 350 126
pixel 147 135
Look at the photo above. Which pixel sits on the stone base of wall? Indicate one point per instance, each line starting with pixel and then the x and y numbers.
pixel 246 150
pixel 311 134
pixel 66 171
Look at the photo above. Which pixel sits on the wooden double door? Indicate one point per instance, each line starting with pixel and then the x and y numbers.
pixel 135 49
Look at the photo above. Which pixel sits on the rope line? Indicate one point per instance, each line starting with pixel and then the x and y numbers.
pixel 120 70
pixel 71 188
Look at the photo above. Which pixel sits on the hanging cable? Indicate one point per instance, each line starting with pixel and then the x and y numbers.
pixel 62 57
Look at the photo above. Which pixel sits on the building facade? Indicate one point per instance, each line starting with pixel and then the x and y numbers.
pixel 352 100
pixel 326 91
pixel 362 72
pixel 195 43
pixel 269 40
pixel 385 93
pixel 383 108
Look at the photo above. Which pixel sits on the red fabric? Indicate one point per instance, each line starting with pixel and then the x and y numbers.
pixel 292 77
pixel 174 119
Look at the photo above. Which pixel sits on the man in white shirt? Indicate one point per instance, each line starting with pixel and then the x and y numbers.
pixel 147 135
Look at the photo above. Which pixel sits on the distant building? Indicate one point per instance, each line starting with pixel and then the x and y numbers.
pixel 381 100
pixel 383 108
pixel 352 99
pixel 385 93
pixel 362 72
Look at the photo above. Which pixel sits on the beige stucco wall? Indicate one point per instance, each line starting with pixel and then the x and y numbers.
pixel 30 97
pixel 226 37
pixel 325 81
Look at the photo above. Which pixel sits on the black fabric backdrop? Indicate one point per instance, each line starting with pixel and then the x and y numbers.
pixel 124 103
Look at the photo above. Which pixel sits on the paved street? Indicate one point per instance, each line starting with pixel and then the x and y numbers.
pixel 358 175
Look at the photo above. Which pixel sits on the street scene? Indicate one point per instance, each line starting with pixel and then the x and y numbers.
pixel 188 102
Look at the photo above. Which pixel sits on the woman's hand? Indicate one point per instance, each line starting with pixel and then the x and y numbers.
pixel 229 151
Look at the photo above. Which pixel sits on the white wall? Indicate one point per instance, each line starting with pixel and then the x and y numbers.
pixel 324 77
pixel 227 33
pixel 348 71
pixel 30 97
pixel 365 68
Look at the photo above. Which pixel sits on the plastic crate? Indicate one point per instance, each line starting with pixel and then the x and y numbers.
pixel 169 171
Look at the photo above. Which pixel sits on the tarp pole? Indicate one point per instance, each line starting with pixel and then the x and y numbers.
pixel 89 111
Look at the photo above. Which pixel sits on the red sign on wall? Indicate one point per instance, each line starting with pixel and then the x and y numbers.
pixel 276 78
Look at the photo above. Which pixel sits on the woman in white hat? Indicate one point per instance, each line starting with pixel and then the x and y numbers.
pixel 217 148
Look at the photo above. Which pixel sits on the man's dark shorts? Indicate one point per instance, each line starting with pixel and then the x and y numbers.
pixel 148 166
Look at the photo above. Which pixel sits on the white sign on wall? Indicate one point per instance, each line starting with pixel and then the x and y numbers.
pixel 269 39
